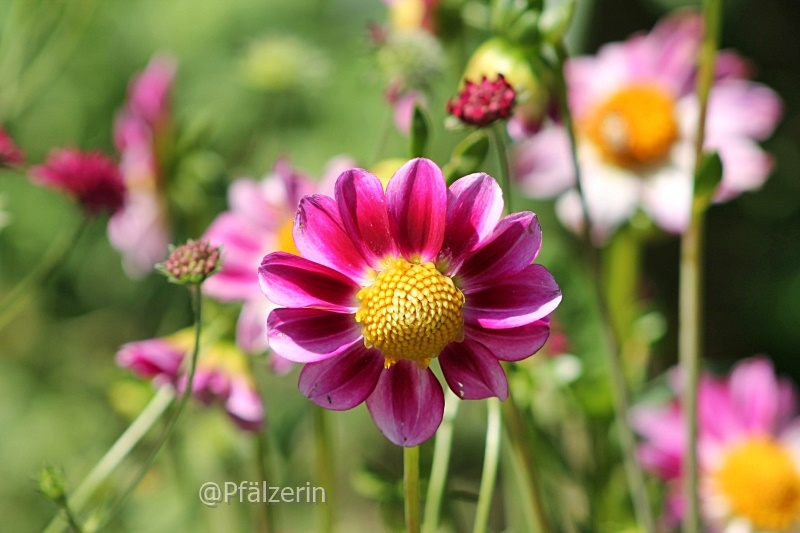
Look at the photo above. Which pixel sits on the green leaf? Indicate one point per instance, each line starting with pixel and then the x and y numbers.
pixel 468 156
pixel 420 128
pixel 709 174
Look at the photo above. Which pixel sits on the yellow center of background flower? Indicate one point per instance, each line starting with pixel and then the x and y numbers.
pixel 285 239
pixel 411 312
pixel 761 483
pixel 634 126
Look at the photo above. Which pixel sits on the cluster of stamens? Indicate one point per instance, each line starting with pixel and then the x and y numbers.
pixel 191 263
pixel 411 312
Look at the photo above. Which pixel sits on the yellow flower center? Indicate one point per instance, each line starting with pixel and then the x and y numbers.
pixel 411 312
pixel 761 482
pixel 634 126
pixel 285 240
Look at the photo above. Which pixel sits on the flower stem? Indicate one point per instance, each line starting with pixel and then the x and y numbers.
pixel 491 460
pixel 262 462
pixel 441 460
pixel 411 488
pixel 322 445
pixel 690 308
pixel 54 258
pixel 497 134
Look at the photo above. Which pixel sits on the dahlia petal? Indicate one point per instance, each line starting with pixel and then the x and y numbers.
pixel 417 206
pixel 474 206
pixel 612 193
pixel 320 237
pixel 244 405
pixel 667 198
pixel 662 428
pixel 243 248
pixel 472 372
pixel 745 167
pixel 511 344
pixel 407 404
pixel 543 165
pixel 530 296
pixel 264 204
pixel 342 382
pixel 742 108
pixel 251 327
pixel 308 335
pixel 294 281
pixel 513 245
pixel 362 207
pixel 753 390
pixel 152 358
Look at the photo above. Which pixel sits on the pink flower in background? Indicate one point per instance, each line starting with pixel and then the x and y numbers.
pixel 748 449
pixel 259 221
pixel 90 178
pixel 388 282
pixel 10 153
pixel 481 104
pixel 140 231
pixel 222 374
pixel 635 113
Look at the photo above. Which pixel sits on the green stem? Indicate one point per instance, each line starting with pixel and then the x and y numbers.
pixel 71 519
pixel 322 446
pixel 441 461
pixel 262 453
pixel 497 134
pixel 117 453
pixel 690 308
pixel 526 470
pixel 13 302
pixel 491 459
pixel 411 488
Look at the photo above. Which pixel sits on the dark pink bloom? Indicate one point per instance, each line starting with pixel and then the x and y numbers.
pixel 155 359
pixel 149 93
pixel 481 104
pixel 91 178
pixel 10 153
pixel 390 281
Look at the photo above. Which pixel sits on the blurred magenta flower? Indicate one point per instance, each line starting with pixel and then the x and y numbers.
pixel 90 178
pixel 140 230
pixel 258 222
pixel 387 282
pixel 748 449
pixel 482 104
pixel 636 113
pixel 222 374
pixel 10 154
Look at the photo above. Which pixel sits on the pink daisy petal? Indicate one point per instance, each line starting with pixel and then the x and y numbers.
pixel 742 108
pixel 543 165
pixel 474 206
pixel 320 237
pixel 753 390
pixel 243 248
pixel 244 406
pixel 472 372
pixel 344 381
pixel 362 207
pixel 309 335
pixel 512 246
pixel 407 404
pixel 294 281
pixel 529 296
pixel 511 344
pixel 251 327
pixel 417 205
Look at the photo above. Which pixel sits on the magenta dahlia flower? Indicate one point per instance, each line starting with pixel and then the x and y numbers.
pixel 748 450
pixel 388 282
pixel 635 112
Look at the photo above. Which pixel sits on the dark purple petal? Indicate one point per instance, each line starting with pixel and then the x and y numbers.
pixel 511 344
pixel 512 246
pixel 320 237
pixel 417 205
pixel 407 404
pixel 308 335
pixel 527 297
pixel 472 372
pixel 474 206
pixel 294 281
pixel 344 381
pixel 362 207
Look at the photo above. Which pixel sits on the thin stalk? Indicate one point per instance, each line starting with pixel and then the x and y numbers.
pixel 633 470
pixel 74 525
pixel 491 459
pixel 411 488
pixel 690 307
pixel 526 469
pixel 262 452
pixel 322 448
pixel 497 135
pixel 441 461
pixel 12 303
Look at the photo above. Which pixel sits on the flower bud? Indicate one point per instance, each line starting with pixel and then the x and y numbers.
pixel 51 484
pixel 191 263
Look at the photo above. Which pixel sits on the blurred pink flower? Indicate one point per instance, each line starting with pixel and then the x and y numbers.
pixel 259 221
pixel 389 281
pixel 140 231
pixel 10 153
pixel 636 113
pixel 748 449
pixel 222 374
pixel 90 178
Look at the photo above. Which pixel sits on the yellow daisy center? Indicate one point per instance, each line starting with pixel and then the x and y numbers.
pixel 411 312
pixel 285 240
pixel 761 483
pixel 634 126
